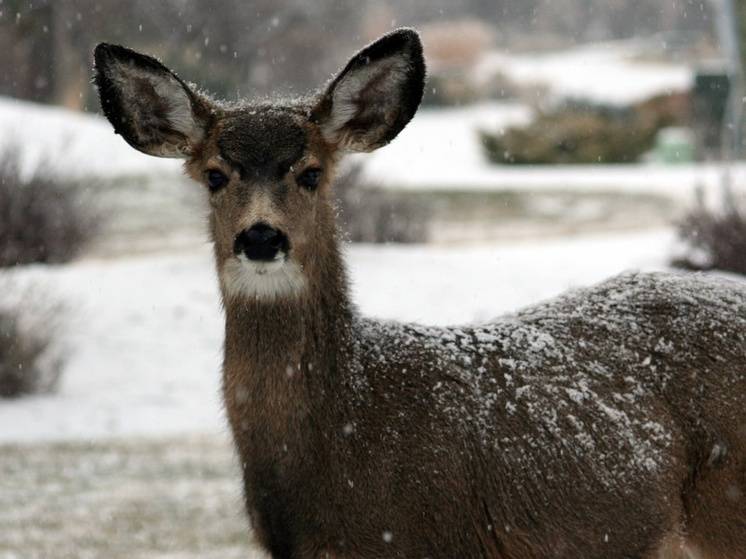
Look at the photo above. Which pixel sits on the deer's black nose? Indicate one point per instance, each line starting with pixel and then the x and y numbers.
pixel 261 242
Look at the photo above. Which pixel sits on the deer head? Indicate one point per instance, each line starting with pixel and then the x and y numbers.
pixel 267 167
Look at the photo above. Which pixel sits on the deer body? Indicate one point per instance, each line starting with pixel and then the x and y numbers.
pixel 608 423
pixel 519 440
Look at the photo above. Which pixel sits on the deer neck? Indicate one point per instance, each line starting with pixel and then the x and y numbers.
pixel 281 356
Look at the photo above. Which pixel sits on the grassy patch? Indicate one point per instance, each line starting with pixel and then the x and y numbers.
pixel 128 499
pixel 473 215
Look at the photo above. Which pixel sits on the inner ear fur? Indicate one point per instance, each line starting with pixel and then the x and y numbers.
pixel 149 105
pixel 374 97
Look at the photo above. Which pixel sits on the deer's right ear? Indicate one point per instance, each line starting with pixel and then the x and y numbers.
pixel 153 109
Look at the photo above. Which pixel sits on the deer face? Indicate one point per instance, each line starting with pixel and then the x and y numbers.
pixel 267 171
pixel 267 167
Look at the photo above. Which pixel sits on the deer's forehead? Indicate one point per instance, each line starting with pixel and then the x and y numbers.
pixel 262 142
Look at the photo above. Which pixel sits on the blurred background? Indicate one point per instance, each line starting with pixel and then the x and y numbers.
pixel 559 142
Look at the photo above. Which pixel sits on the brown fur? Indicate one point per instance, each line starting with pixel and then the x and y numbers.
pixel 314 487
pixel 609 423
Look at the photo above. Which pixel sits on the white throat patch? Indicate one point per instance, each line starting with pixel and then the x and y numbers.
pixel 242 277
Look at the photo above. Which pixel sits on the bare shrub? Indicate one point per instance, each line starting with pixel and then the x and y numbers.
pixel 43 218
pixel 715 240
pixel 31 359
pixel 373 215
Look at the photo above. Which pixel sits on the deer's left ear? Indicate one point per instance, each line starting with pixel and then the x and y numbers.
pixel 376 95
pixel 153 109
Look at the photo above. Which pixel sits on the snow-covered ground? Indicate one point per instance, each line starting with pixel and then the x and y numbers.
pixel 146 332
pixel 75 144
pixel 440 150
pixel 613 73
pixel 125 499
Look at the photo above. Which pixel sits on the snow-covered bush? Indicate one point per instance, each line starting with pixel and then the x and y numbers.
pixel 31 358
pixel 573 136
pixel 714 240
pixel 43 217
pixel 373 215
pixel 581 133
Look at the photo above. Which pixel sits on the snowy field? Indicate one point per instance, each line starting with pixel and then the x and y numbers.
pixel 613 73
pixel 125 499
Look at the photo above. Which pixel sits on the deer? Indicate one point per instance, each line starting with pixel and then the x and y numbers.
pixel 609 422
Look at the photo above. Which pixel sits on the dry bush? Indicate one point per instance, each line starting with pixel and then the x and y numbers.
pixel 499 86
pixel 372 215
pixel 31 358
pixel 578 134
pixel 446 90
pixel 43 218
pixel 714 240
pixel 571 137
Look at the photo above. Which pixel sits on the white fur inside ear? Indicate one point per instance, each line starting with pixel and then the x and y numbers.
pixel 372 88
pixel 179 116
pixel 241 277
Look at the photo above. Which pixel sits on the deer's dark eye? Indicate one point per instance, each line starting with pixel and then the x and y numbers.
pixel 310 178
pixel 216 180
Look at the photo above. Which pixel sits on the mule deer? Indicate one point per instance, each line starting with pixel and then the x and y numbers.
pixel 608 423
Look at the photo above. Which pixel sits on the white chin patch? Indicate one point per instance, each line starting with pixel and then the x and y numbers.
pixel 279 278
